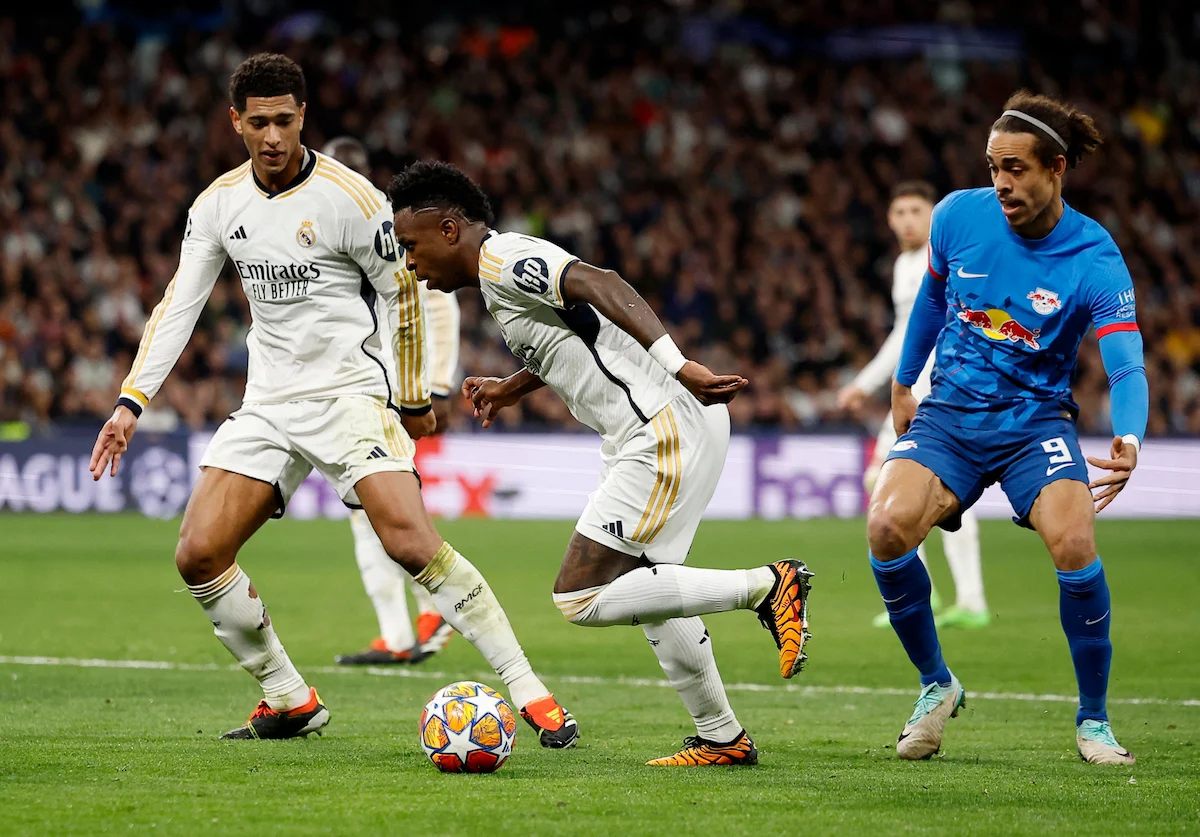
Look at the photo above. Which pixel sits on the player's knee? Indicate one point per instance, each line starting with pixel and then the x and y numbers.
pixel 1072 550
pixel 201 556
pixel 889 530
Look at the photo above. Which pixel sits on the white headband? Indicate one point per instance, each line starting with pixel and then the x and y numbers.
pixel 1039 124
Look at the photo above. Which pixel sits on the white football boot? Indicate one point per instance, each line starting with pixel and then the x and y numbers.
pixel 1097 745
pixel 922 735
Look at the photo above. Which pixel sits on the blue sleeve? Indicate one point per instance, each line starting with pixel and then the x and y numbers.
pixel 926 321
pixel 1114 313
pixel 1127 385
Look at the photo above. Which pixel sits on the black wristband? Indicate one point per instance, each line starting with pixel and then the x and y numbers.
pixel 130 403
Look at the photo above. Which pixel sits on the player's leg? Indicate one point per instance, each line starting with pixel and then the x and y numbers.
pixel 1064 517
pixel 623 565
pixel 920 486
pixel 962 554
pixel 883 445
pixel 392 500
pixel 225 509
pixel 386 585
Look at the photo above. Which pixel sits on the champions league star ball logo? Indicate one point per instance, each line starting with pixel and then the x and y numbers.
pixel 159 483
pixel 306 236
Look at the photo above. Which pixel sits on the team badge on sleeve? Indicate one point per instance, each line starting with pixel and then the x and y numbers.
pixel 1045 302
pixel 306 236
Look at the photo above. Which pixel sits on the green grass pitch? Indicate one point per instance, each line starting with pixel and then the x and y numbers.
pixel 91 750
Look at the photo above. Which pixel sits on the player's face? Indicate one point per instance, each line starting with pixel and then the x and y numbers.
pixel 1024 187
pixel 270 127
pixel 909 218
pixel 430 241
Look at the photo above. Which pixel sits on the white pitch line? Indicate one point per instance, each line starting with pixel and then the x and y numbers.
pixel 639 682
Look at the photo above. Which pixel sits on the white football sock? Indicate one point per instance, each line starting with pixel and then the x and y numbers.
pixel 241 622
pixel 425 602
pixel 665 591
pixel 962 554
pixel 466 601
pixel 384 581
pixel 684 651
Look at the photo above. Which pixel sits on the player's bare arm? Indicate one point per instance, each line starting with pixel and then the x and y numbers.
pixel 491 395
pixel 616 299
pixel 904 407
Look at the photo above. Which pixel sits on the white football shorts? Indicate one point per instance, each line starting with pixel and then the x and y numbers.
pixel 655 487
pixel 345 438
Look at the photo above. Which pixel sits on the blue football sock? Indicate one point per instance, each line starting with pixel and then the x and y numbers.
pixel 1084 607
pixel 904 585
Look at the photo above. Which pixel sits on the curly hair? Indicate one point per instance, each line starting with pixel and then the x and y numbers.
pixel 263 75
pixel 1075 127
pixel 425 185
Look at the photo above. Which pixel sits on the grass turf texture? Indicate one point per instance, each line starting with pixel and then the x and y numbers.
pixel 88 750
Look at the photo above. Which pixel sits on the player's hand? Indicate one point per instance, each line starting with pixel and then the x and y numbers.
pixel 1124 460
pixel 419 426
pixel 850 399
pixel 489 396
pixel 904 408
pixel 707 387
pixel 112 442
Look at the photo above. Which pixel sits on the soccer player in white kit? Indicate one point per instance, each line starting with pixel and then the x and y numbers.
pixel 910 214
pixel 337 320
pixel 589 336
pixel 386 583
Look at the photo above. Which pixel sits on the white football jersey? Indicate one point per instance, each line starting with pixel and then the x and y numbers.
pixel 335 310
pixel 442 321
pixel 907 275
pixel 604 376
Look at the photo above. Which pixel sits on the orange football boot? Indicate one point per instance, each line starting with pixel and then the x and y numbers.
pixel 699 752
pixel 784 612
pixel 555 726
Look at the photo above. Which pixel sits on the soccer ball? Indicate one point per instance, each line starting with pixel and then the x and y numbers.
pixel 468 727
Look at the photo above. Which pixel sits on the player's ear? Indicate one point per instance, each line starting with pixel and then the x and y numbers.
pixel 236 119
pixel 450 230
pixel 1060 166
pixel 303 109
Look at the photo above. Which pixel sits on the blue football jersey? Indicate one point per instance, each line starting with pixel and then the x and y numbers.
pixel 1019 308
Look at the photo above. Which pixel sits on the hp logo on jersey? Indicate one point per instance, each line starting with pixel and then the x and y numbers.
pixel 532 275
pixel 385 243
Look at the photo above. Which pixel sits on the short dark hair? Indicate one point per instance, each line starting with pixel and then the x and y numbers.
pixel 1074 126
pixel 263 75
pixel 914 189
pixel 426 184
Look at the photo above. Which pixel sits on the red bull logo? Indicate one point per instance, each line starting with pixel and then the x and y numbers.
pixel 999 325
pixel 1045 302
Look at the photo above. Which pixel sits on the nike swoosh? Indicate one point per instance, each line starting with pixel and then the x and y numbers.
pixel 1054 468
pixel 1096 621
pixel 962 275
pixel 903 736
pixel 893 601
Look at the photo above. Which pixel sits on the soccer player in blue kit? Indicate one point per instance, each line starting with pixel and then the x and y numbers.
pixel 1016 278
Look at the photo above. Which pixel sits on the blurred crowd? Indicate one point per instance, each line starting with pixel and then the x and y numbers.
pixel 732 161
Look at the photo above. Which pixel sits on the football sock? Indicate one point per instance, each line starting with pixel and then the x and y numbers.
pixel 425 603
pixel 384 581
pixel 962 554
pixel 665 591
pixel 904 585
pixel 684 651
pixel 241 622
pixel 1084 606
pixel 466 601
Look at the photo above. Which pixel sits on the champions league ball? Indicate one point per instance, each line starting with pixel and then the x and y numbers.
pixel 468 727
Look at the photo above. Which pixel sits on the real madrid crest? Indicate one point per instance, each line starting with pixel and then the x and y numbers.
pixel 306 236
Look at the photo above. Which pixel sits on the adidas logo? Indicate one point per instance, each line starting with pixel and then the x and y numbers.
pixel 377 453
pixel 239 234
pixel 616 528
